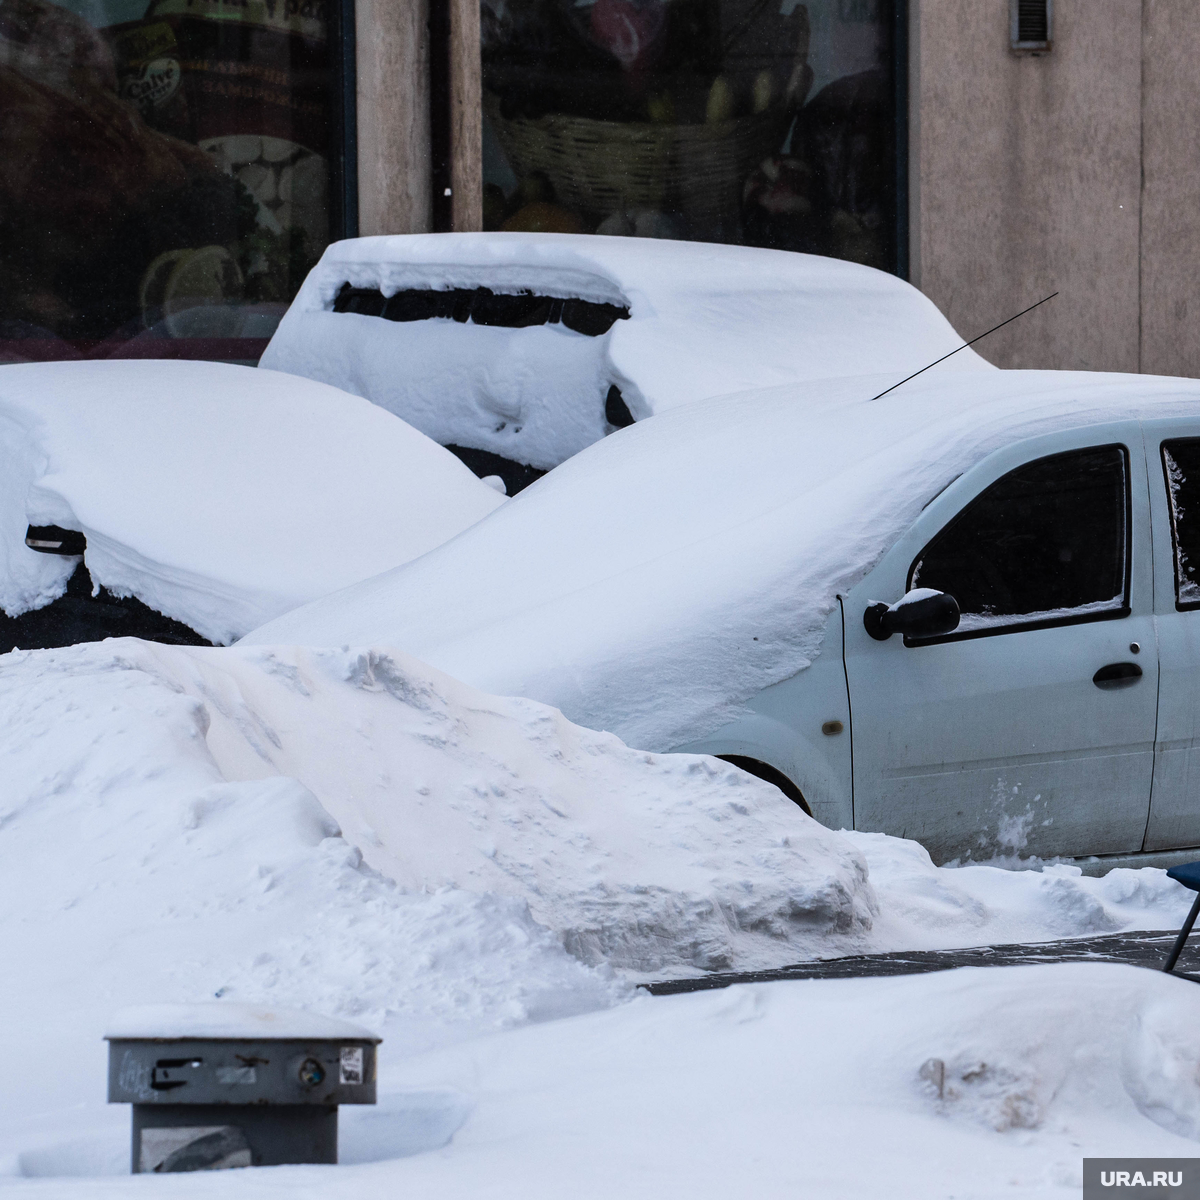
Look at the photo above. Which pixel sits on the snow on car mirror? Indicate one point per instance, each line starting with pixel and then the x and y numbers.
pixel 922 612
pixel 52 539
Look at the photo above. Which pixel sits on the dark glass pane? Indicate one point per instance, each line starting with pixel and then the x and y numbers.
pixel 762 122
pixel 1181 462
pixel 164 173
pixel 483 307
pixel 1047 538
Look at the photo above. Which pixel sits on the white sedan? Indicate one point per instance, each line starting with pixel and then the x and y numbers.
pixel 191 501
pixel 728 578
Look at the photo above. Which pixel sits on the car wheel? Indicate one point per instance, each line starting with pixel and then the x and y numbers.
pixel 768 774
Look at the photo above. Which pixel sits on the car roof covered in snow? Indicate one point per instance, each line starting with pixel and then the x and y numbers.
pixel 704 320
pixel 656 581
pixel 218 495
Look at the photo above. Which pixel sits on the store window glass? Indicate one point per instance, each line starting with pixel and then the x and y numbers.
pixel 164 173
pixel 762 122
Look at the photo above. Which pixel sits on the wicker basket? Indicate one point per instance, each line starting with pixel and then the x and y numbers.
pixel 601 167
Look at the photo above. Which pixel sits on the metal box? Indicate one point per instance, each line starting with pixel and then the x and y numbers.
pixel 223 1085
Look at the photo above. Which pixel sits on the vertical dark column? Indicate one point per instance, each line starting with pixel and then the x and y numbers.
pixel 343 193
pixel 440 90
pixel 900 68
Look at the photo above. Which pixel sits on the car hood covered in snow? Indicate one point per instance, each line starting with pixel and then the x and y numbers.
pixel 703 320
pixel 655 582
pixel 218 495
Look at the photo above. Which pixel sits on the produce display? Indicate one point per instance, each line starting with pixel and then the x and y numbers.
pixel 756 121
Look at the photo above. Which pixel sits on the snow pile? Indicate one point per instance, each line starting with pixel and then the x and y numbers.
pixel 218 495
pixel 981 1083
pixel 641 862
pixel 182 825
pixel 353 809
pixel 137 872
pixel 656 581
pixel 923 907
pixel 704 320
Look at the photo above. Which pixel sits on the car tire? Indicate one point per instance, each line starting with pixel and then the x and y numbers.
pixel 768 774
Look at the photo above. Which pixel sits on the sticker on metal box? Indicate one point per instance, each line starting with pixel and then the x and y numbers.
pixel 240 1075
pixel 351 1065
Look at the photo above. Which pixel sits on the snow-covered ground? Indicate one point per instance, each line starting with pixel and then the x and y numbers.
pixel 482 883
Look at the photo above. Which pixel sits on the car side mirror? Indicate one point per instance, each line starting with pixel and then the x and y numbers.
pixel 920 613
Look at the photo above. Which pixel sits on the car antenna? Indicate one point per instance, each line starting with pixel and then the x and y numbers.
pixel 964 346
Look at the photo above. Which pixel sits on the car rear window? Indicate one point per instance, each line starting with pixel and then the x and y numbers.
pixel 1045 544
pixel 481 306
pixel 1181 465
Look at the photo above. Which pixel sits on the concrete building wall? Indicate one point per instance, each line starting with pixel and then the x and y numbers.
pixel 1077 171
pixel 1170 341
pixel 1027 179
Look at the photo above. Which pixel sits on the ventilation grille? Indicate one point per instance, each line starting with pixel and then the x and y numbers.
pixel 482 307
pixel 1032 25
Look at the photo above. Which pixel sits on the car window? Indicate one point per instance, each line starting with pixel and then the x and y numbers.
pixel 1181 465
pixel 1046 544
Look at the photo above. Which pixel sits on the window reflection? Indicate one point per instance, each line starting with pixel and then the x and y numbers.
pixel 766 122
pixel 163 173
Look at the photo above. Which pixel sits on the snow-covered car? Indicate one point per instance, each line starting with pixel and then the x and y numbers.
pixel 518 350
pixel 191 501
pixel 727 578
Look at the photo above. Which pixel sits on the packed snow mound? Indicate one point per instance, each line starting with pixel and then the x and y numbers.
pixel 925 907
pixel 137 872
pixel 1002 1079
pixel 704 320
pixel 981 1083
pixel 218 495
pixel 655 582
pixel 184 825
pixel 634 860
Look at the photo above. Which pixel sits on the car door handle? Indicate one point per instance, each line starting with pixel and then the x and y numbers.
pixel 1117 675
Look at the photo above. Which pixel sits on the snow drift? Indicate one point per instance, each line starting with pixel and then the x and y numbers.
pixel 704 320
pixel 980 1083
pixel 341 800
pixel 281 827
pixel 643 862
pixel 218 495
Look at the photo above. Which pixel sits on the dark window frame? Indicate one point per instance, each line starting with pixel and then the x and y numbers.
pixel 900 50
pixel 1180 605
pixel 343 182
pixel 1018 626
